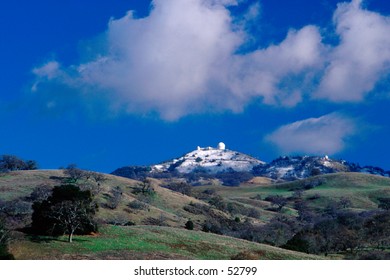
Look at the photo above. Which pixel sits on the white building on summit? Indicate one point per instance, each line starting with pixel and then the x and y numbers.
pixel 221 146
pixel 211 160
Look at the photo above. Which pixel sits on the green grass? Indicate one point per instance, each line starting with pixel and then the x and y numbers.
pixel 363 190
pixel 150 242
pixel 147 242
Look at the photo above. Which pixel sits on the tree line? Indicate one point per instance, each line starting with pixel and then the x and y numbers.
pixel 14 163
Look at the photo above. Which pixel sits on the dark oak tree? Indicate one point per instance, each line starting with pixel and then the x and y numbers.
pixel 67 211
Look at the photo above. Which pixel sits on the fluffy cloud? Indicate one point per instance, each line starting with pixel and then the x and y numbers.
pixel 184 58
pixel 361 59
pixel 324 135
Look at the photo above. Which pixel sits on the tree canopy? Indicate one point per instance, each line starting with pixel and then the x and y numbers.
pixel 67 211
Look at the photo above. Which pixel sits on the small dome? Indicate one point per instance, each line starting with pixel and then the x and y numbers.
pixel 221 146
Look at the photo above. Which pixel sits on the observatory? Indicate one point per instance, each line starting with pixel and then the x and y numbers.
pixel 221 146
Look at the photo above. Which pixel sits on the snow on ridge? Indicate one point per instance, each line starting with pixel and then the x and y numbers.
pixel 220 159
pixel 212 160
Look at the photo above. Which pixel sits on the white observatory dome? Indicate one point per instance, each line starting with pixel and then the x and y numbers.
pixel 221 146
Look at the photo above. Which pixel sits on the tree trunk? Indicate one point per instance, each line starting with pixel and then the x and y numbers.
pixel 70 237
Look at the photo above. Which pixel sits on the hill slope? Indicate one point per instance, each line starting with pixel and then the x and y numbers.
pixel 149 242
pixel 164 206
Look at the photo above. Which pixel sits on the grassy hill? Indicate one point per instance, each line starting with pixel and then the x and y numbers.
pixel 157 219
pixel 148 242
pixel 164 205
pixel 363 190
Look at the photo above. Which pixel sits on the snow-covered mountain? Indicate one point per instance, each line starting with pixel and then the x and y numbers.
pixel 221 160
pixel 210 160
pixel 299 167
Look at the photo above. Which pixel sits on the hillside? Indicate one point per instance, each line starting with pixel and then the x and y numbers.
pixel 363 190
pixel 164 206
pixel 149 242
pixel 150 225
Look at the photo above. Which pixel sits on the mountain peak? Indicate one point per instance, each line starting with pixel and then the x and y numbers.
pixel 210 160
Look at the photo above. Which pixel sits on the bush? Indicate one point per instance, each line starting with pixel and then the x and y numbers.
pixel 16 213
pixel 277 200
pixel 218 202
pixel 74 174
pixel 4 239
pixel 137 205
pixel 180 187
pixel 160 221
pixel 189 225
pixel 133 172
pixel 384 203
pixel 115 198
pixel 39 193
pixel 234 178
pixel 253 213
pixel 212 226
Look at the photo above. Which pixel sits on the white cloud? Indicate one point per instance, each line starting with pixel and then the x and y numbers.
pixel 363 56
pixel 183 58
pixel 46 72
pixel 324 135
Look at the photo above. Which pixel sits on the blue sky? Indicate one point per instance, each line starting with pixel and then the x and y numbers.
pixel 105 84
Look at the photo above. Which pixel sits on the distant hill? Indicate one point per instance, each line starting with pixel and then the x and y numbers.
pixel 211 161
pixel 300 167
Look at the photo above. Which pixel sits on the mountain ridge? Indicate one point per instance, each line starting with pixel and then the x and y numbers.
pixel 212 161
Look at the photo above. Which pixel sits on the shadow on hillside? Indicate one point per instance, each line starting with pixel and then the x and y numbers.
pixel 40 239
pixel 30 235
pixel 47 239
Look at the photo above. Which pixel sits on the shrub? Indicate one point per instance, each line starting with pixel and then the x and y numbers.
pixel 115 198
pixel 160 221
pixel 133 172
pixel 384 203
pixel 180 187
pixel 234 178
pixel 39 193
pixel 253 213
pixel 137 205
pixel 277 200
pixel 212 226
pixel 189 225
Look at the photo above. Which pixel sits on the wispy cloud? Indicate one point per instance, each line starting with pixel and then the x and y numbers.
pixel 328 134
pixel 183 59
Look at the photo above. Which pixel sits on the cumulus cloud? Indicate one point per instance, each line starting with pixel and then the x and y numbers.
pixel 324 135
pixel 363 56
pixel 184 58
